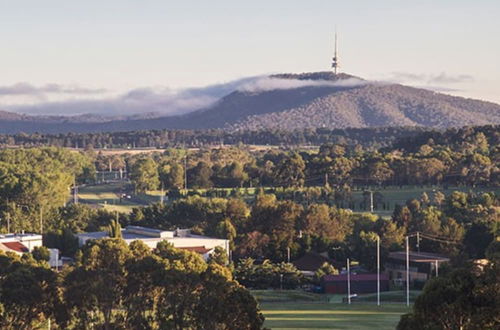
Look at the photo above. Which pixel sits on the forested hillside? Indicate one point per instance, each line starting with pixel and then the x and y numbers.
pixel 290 101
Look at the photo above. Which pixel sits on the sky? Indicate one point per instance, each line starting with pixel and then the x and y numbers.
pixel 64 56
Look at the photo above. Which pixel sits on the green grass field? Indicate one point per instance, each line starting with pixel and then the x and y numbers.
pixel 108 197
pixel 396 195
pixel 300 310
pixel 331 316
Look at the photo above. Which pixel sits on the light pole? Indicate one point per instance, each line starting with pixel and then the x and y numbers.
pixel 407 272
pixel 378 271
pixel 41 219
pixel 8 222
pixel 348 283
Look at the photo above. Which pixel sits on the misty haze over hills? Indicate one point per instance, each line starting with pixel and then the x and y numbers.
pixel 285 101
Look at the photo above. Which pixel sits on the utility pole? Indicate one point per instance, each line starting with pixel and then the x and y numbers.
pixel 41 219
pixel 288 254
pixel 162 193
pixel 371 201
pixel 407 272
pixel 437 268
pixel 75 193
pixel 378 271
pixel 8 222
pixel 348 283
pixel 185 173
pixel 418 242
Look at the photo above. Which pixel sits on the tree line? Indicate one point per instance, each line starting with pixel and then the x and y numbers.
pixel 466 297
pixel 116 286
pixel 472 161
pixel 372 138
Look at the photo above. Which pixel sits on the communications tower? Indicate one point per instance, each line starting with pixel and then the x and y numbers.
pixel 335 59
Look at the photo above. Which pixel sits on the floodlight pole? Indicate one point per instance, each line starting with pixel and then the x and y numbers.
pixel 407 272
pixel 378 271
pixel 348 283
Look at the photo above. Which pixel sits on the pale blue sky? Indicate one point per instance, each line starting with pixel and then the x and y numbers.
pixel 117 45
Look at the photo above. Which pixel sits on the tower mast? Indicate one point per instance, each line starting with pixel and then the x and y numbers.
pixel 335 59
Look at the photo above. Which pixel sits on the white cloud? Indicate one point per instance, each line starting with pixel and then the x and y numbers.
pixel 263 84
pixel 430 79
pixel 24 88
pixel 159 100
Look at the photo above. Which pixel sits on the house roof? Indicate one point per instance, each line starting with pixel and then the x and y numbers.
pixel 355 277
pixel 15 247
pixel 311 262
pixel 197 249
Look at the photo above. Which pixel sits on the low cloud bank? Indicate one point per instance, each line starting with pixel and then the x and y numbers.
pixel 264 84
pixel 24 88
pixel 161 101
pixel 430 79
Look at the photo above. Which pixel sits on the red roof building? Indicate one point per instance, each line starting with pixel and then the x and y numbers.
pixel 15 247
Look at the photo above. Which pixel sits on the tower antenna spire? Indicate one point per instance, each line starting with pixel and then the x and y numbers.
pixel 335 59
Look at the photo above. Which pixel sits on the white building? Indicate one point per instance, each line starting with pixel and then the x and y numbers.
pixel 180 238
pixel 19 243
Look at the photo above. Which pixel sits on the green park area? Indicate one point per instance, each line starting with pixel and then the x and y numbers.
pixel 108 195
pixel 299 310
pixel 115 196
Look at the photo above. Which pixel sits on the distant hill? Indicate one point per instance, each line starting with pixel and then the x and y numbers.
pixel 324 100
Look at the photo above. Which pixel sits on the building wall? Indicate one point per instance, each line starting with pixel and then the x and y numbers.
pixel 30 241
pixel 178 242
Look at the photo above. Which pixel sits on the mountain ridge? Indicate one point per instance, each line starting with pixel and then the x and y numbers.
pixel 306 100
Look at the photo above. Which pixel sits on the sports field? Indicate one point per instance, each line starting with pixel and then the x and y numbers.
pixel 332 315
pixel 298 310
pixel 109 196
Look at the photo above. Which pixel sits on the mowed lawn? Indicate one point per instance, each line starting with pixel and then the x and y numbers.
pixel 296 309
pixel 108 197
pixel 396 195
pixel 322 315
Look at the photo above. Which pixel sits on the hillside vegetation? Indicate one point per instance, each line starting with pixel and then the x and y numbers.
pixel 325 101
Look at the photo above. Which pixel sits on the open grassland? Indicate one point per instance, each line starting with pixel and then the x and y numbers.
pixel 293 309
